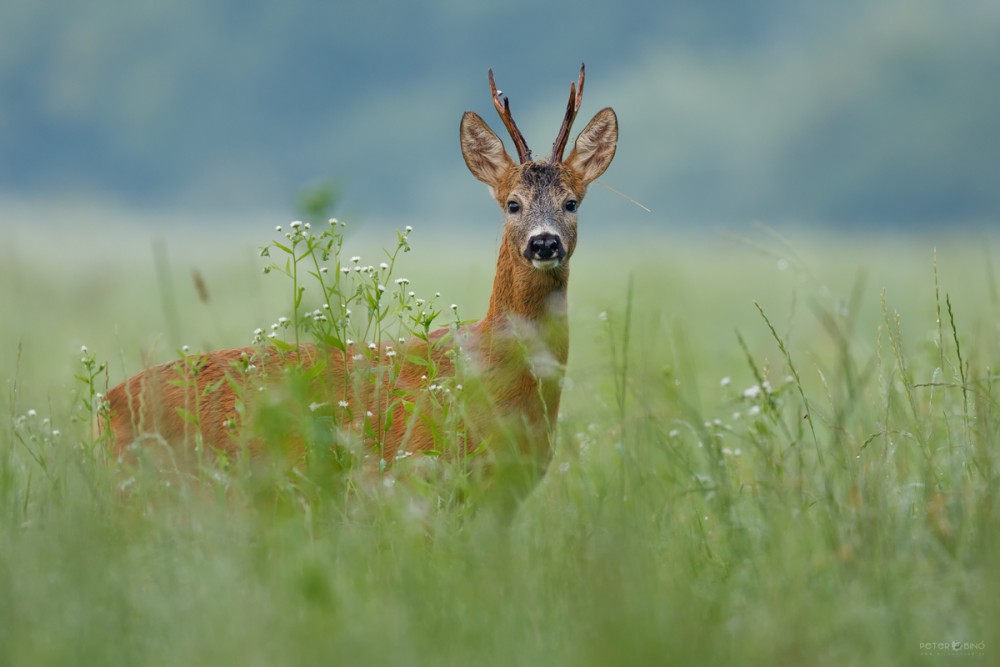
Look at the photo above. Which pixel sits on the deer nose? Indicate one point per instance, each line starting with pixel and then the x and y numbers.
pixel 545 248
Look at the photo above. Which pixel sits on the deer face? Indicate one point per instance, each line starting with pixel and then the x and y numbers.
pixel 540 198
pixel 540 201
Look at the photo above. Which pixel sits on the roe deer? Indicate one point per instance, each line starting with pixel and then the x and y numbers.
pixel 512 361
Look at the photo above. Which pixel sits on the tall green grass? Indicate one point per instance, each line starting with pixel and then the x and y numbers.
pixel 766 455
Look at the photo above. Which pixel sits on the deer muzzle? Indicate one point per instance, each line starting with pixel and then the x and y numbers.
pixel 545 251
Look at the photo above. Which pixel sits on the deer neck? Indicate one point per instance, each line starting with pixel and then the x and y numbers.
pixel 524 297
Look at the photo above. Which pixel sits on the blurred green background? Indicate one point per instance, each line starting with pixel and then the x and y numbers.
pixel 859 114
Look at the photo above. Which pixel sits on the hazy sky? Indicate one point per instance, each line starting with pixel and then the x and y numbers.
pixel 857 113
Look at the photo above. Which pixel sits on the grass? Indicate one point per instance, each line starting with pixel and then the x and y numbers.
pixel 763 458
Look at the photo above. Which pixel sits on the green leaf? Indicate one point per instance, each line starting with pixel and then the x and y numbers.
pixel 187 415
pixel 282 345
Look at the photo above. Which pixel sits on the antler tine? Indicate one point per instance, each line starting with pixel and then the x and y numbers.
pixel 572 107
pixel 503 108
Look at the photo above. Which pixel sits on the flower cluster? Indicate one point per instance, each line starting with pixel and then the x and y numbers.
pixel 343 286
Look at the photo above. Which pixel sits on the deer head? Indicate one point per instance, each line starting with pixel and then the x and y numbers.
pixel 540 198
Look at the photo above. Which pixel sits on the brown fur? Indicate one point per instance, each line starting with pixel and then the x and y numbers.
pixel 515 356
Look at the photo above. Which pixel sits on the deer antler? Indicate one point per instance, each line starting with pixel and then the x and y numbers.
pixel 503 108
pixel 575 98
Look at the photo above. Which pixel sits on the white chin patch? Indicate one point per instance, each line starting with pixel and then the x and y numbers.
pixel 545 264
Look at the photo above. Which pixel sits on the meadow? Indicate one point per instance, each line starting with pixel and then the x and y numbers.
pixel 772 449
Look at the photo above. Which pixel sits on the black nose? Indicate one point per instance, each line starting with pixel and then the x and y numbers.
pixel 544 247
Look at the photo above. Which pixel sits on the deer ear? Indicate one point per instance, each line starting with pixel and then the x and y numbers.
pixel 595 147
pixel 483 151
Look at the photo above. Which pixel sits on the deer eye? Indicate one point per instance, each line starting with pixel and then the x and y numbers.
pixel 513 207
pixel 570 205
